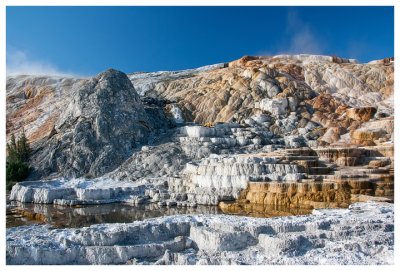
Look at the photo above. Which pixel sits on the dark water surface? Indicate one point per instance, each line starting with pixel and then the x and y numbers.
pixel 64 216
pixel 19 214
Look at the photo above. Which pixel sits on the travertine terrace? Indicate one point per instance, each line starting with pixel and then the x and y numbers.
pixel 298 131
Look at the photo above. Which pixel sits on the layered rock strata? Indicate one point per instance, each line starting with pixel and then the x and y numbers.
pixel 138 128
pixel 361 234
pixel 292 178
pixel 83 191
pixel 89 130
pixel 332 177
pixel 284 94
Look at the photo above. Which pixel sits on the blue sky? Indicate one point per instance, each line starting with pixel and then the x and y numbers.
pixel 87 40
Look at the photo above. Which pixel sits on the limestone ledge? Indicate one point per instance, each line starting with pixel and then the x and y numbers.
pixel 361 234
pixel 79 191
pixel 223 177
pixel 286 100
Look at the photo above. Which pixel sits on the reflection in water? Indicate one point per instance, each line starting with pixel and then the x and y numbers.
pixel 19 214
pixel 64 216
pixel 260 210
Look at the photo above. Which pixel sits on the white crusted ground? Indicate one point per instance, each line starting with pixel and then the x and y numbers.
pixel 145 82
pixel 362 234
pixel 82 191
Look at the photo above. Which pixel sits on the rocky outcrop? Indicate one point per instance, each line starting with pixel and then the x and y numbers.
pixel 295 178
pixel 355 175
pixel 226 176
pixel 145 82
pixel 284 87
pixel 362 234
pixel 94 129
pixel 246 115
pixel 226 92
pixel 295 195
pixel 361 114
pixel 366 137
pixel 91 126
pixel 35 103
pixel 77 191
pixel 260 136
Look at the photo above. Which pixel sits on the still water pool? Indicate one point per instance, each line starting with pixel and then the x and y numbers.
pixel 19 214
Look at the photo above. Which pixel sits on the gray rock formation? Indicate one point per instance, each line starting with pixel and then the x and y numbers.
pixel 91 126
pixel 298 131
pixel 98 130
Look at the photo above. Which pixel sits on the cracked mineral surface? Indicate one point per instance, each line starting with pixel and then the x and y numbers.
pixel 361 234
pixel 297 132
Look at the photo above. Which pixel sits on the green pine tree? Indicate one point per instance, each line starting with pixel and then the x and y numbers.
pixel 12 149
pixel 17 167
pixel 23 148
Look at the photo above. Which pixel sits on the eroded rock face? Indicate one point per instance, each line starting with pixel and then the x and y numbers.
pixel 253 106
pixel 361 174
pixel 96 128
pixel 361 114
pixel 223 177
pixel 300 131
pixel 363 234
pixel 314 91
pixel 35 103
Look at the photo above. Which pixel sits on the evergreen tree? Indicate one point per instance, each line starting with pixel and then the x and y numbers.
pixel 17 167
pixel 12 149
pixel 23 148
